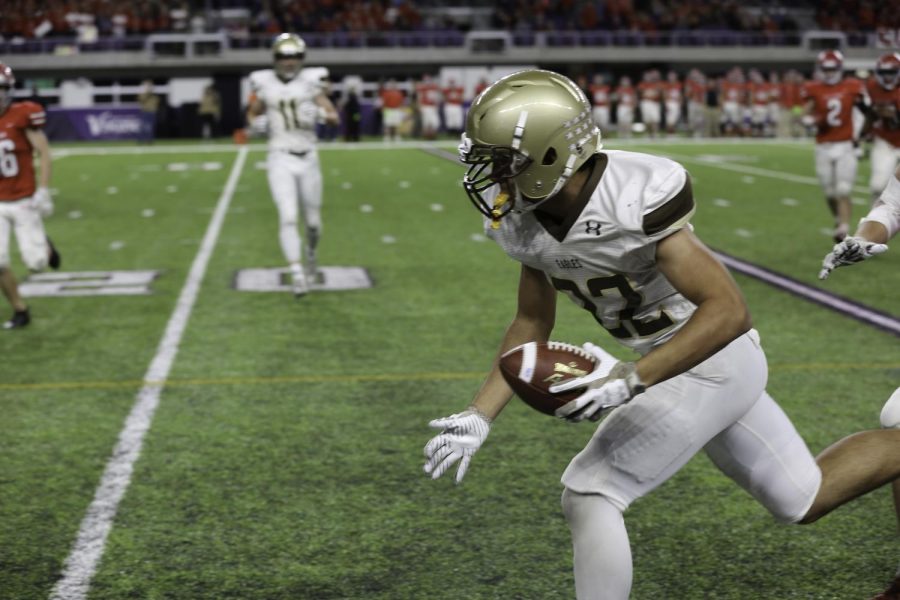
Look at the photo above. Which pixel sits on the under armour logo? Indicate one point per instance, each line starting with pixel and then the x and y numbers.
pixel 592 227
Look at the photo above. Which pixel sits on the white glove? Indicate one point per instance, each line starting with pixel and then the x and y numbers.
pixel 611 383
pixel 42 202
pixel 849 251
pixel 461 436
pixel 259 125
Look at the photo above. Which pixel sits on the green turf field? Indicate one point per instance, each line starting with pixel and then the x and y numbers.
pixel 284 458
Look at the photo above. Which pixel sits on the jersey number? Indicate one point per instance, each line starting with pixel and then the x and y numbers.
pixel 9 166
pixel 288 109
pixel 632 298
pixel 834 112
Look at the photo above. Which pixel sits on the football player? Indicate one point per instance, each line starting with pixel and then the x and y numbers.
pixel 600 97
pixel 871 237
pixel 24 202
pixel 453 106
pixel 829 107
pixel 291 101
pixel 610 229
pixel 884 93
pixel 673 90
pixel 428 93
pixel 626 99
pixel 650 92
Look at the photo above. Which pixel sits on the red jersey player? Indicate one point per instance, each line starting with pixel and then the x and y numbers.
pixel 829 106
pixel 650 92
pixel 453 106
pixel 672 93
pixel 884 90
pixel 428 93
pixel 23 202
pixel 600 100
pixel 626 99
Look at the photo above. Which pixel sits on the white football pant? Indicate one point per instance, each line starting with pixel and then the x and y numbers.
pixel 22 218
pixel 884 159
pixel 431 120
pixel 296 185
pixel 836 168
pixel 732 113
pixel 673 114
pixel 453 117
pixel 650 113
pixel 720 406
pixel 624 119
pixel 601 117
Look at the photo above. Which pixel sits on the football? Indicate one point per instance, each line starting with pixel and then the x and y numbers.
pixel 530 370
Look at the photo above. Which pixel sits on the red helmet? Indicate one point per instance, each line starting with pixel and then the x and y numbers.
pixel 887 70
pixel 831 63
pixel 7 82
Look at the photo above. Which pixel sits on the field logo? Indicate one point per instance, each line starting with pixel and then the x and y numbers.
pixel 89 283
pixel 331 279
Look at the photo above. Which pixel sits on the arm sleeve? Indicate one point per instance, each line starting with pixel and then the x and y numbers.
pixel 887 208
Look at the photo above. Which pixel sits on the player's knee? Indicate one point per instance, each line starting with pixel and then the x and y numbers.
pixel 890 413
pixel 579 508
pixel 36 263
pixel 288 222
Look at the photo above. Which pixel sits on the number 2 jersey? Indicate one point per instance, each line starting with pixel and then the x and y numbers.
pixel 833 105
pixel 606 260
pixel 16 153
pixel 285 101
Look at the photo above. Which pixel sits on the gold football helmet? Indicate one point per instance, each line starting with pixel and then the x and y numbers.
pixel 288 50
pixel 531 131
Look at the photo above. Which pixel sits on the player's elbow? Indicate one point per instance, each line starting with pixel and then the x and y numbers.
pixel 738 321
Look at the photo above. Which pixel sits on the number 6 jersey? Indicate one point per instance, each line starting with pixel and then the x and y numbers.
pixel 288 104
pixel 604 258
pixel 16 152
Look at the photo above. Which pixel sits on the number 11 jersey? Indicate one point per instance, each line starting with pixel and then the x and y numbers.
pixel 286 102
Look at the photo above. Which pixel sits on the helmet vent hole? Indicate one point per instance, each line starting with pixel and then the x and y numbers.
pixel 549 157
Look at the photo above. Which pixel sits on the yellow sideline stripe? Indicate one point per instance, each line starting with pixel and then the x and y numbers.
pixel 131 383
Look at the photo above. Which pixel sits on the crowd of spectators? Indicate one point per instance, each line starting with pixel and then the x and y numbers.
pixel 858 15
pixel 640 15
pixel 28 19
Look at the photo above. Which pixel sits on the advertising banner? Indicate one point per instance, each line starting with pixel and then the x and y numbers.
pixel 114 123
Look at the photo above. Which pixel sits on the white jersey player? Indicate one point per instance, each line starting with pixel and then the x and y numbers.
pixel 289 101
pixel 610 230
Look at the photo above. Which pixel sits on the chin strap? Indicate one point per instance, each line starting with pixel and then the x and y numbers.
pixel 496 214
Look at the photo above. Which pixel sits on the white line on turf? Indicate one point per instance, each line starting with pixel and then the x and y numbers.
pixel 89 545
pixel 784 176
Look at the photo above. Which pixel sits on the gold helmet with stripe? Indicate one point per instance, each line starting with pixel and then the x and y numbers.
pixel 530 131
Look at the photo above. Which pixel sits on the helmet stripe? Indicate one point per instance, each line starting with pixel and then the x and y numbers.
pixel 519 131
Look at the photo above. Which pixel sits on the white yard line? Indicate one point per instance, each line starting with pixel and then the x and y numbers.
pixel 82 561
pixel 748 170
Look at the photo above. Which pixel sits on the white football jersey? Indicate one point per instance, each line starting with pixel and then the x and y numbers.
pixel 606 261
pixel 286 102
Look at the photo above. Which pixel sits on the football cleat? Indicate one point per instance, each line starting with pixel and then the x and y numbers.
pixel 20 319
pixel 299 285
pixel 55 258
